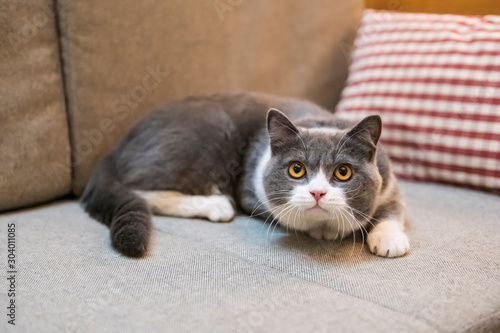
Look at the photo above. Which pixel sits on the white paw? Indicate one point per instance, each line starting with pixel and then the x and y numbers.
pixel 330 234
pixel 220 209
pixel 323 233
pixel 388 243
pixel 316 233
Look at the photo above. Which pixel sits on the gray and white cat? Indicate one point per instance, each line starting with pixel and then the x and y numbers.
pixel 301 166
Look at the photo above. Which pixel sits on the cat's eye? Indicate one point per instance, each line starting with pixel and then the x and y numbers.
pixel 343 173
pixel 297 170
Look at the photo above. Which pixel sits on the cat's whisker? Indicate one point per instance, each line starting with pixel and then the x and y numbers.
pixel 301 214
pixel 343 226
pixel 360 225
pixel 273 212
pixel 354 230
pixel 263 203
pixel 343 229
pixel 251 190
pixel 297 211
pixel 366 216
pixel 271 194
pixel 275 221
pixel 268 193
pixel 289 212
pixel 354 189
pixel 357 196
pixel 352 213
pixel 284 212
pixel 266 202
pixel 337 223
pixel 353 233
pixel 283 208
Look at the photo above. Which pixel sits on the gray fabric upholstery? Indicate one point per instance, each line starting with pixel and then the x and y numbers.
pixel 118 69
pixel 35 165
pixel 238 277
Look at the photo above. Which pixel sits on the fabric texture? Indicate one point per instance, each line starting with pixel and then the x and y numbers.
pixel 246 276
pixel 121 58
pixel 435 81
pixel 34 142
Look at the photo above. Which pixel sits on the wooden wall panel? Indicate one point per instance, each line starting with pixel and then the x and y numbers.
pixel 464 7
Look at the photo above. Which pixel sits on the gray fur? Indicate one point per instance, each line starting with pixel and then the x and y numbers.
pixel 207 144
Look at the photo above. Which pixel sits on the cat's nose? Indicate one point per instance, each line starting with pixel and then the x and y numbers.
pixel 317 194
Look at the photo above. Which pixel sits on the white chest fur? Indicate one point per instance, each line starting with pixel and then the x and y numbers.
pixel 258 180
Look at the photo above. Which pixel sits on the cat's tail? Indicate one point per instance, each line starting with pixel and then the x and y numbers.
pixel 126 214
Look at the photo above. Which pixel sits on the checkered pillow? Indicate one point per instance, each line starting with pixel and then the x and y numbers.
pixel 435 81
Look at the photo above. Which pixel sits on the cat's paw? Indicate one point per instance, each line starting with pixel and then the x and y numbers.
pixel 220 209
pixel 388 241
pixel 316 233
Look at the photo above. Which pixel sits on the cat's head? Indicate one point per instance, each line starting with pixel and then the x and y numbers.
pixel 322 173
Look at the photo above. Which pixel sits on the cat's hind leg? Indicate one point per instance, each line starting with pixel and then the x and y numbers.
pixel 216 208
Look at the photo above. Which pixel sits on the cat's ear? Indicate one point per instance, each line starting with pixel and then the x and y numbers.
pixel 367 131
pixel 280 129
pixel 370 128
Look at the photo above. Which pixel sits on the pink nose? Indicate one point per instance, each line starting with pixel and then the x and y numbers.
pixel 317 194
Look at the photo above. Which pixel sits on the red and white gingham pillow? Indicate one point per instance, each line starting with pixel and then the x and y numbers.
pixel 435 81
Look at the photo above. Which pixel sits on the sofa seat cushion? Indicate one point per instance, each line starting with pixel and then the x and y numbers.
pixel 246 277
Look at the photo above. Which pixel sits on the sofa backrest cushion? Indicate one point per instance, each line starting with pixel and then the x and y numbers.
pixel 34 142
pixel 123 57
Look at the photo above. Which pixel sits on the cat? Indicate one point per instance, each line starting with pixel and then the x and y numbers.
pixel 279 158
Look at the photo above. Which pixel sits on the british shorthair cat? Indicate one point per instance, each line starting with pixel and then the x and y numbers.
pixel 280 158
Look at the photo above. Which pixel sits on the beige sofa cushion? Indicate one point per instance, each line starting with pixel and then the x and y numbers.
pixel 124 57
pixel 34 140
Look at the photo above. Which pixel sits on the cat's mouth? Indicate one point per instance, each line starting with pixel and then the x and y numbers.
pixel 317 207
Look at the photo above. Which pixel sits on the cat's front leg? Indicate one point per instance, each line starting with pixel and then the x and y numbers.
pixel 324 233
pixel 388 239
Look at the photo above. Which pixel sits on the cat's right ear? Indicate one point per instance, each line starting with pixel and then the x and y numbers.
pixel 280 129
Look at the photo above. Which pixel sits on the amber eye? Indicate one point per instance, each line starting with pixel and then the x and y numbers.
pixel 297 170
pixel 343 172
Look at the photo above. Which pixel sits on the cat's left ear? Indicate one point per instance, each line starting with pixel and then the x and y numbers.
pixel 280 129
pixel 367 131
pixel 370 128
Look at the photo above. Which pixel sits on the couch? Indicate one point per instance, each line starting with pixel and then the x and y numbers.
pixel 76 75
